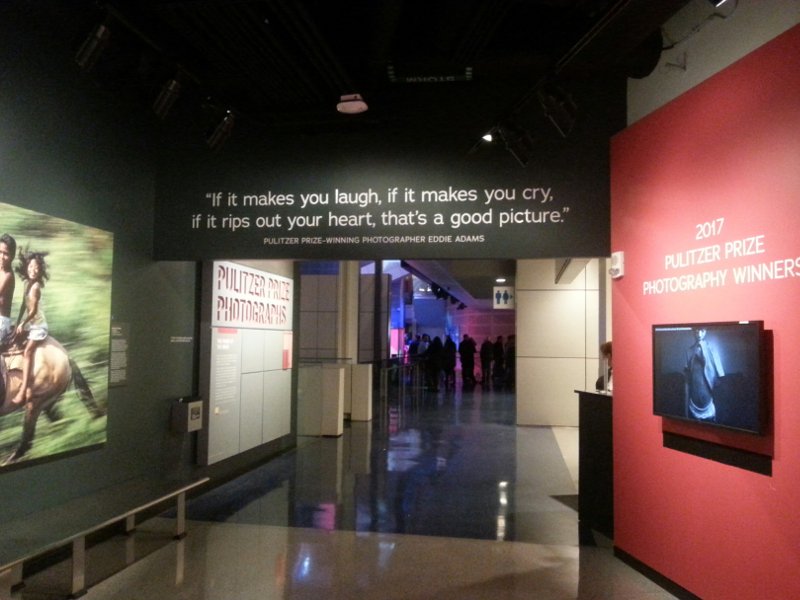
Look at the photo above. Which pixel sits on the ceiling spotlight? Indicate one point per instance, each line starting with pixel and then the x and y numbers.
pixel 351 104
pixel 487 137
pixel 519 142
pixel 559 107
pixel 166 98
pixel 221 132
pixel 92 48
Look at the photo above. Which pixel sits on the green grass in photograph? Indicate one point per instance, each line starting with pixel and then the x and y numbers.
pixel 76 301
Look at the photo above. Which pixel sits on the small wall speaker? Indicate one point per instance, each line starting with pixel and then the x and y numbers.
pixel 617 269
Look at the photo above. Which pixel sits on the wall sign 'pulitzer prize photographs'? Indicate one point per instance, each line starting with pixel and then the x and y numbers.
pixel 55 313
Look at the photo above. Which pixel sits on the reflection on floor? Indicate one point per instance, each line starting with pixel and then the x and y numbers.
pixel 440 496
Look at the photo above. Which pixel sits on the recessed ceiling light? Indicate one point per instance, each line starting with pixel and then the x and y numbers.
pixel 500 280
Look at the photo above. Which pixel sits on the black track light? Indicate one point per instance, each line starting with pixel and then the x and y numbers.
pixel 92 48
pixel 221 132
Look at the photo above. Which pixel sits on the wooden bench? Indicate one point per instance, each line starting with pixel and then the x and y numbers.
pixel 36 534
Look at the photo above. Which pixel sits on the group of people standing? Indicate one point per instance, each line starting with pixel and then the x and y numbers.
pixel 498 360
pixel 30 329
pixel 439 359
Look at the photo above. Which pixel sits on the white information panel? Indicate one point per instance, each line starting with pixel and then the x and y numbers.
pixel 250 390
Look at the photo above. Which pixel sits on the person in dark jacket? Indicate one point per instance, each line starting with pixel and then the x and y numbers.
pixel 467 350
pixel 498 357
pixel 449 362
pixel 486 354
pixel 434 359
pixel 510 361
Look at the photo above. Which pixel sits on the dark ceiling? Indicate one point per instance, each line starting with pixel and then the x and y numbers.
pixel 441 65
pixel 445 68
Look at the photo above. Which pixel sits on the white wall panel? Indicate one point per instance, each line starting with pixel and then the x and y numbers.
pixel 273 350
pixel 252 408
pixel 557 341
pixel 551 323
pixel 549 386
pixel 252 350
pixel 277 399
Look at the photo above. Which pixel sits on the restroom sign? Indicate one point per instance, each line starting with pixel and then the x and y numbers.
pixel 503 297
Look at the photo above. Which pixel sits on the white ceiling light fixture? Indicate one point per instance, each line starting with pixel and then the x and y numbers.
pixel 500 280
pixel 351 104
pixel 487 137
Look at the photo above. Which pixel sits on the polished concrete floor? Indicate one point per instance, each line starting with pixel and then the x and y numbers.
pixel 440 496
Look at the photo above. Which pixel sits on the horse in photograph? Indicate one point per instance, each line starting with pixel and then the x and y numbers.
pixel 52 372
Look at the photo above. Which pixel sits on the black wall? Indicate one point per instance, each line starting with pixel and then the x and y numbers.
pixel 72 150
pixel 274 164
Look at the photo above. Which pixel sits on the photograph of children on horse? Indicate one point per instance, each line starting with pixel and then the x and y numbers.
pixel 55 308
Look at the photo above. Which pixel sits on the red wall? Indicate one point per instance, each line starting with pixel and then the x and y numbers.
pixel 728 149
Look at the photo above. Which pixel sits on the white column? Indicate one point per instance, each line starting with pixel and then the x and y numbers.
pixel 557 341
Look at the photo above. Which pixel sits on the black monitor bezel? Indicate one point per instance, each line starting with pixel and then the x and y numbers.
pixel 760 374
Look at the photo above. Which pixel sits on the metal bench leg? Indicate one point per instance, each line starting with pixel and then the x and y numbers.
pixel 130 523
pixel 180 522
pixel 180 561
pixel 10 578
pixel 78 567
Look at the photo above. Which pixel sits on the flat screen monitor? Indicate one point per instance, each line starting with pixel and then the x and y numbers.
pixel 711 373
